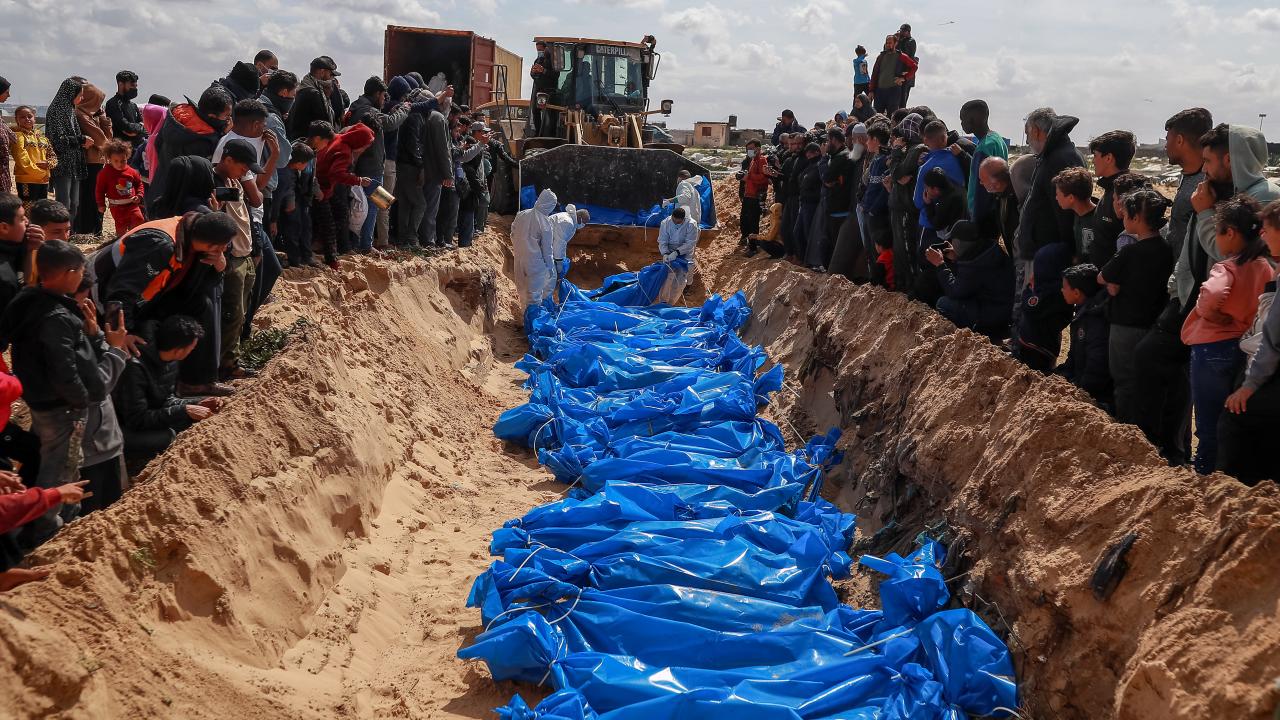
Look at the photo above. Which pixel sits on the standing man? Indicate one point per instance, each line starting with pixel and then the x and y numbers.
pixel 1042 221
pixel 907 45
pixel 974 119
pixel 312 101
pixel 372 162
pixel 544 80
pixel 126 120
pixel 889 76
pixel 787 124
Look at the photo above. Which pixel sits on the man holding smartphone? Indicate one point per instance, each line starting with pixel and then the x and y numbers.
pixel 238 159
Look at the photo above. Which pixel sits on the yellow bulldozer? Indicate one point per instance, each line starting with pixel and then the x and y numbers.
pixel 585 133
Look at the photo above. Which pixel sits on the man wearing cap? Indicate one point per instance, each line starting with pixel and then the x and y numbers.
pixel 238 159
pixel 367 109
pixel 472 167
pixel 126 121
pixel 907 46
pixel 786 124
pixel 312 101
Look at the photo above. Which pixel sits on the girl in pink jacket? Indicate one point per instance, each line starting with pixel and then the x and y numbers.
pixel 1224 310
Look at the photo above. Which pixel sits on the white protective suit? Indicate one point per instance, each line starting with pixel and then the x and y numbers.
pixel 676 240
pixel 688 198
pixel 563 227
pixel 532 245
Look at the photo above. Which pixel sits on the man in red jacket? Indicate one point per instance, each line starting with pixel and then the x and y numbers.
pixel 755 188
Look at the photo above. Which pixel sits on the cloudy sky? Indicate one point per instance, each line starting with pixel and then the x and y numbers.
pixel 1114 64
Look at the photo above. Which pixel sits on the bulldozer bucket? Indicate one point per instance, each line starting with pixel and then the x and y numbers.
pixel 628 179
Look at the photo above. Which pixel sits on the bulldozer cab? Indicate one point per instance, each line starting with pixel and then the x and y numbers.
pixel 600 77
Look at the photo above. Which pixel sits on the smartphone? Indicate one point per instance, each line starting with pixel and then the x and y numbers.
pixel 113 312
pixel 226 194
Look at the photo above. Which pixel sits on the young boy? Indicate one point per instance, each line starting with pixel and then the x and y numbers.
pixel 1073 188
pixel 119 187
pixel 103 444
pixel 1124 184
pixel 33 157
pixel 57 362
pixel 293 199
pixel 882 269
pixel 1086 365
pixel 14 232
pixel 150 410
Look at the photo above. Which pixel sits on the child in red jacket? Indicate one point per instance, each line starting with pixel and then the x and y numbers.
pixel 119 187
pixel 333 173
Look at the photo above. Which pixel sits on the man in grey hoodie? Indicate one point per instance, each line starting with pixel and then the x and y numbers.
pixel 1234 159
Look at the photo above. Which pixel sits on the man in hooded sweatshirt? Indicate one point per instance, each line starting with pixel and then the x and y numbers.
pixel 242 83
pixel 532 247
pixel 1042 222
pixel 312 101
pixel 190 129
pixel 367 109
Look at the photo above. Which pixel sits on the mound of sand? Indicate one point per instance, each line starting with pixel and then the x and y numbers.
pixel 944 430
pixel 307 552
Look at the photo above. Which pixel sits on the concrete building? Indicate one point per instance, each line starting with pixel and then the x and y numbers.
pixel 710 134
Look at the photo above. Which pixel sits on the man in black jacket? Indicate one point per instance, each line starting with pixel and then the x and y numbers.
pixel 189 129
pixel 312 101
pixel 147 405
pixel 904 169
pixel 976 277
pixel 1041 221
pixel 907 46
pixel 1112 153
pixel 808 182
pixel 838 179
pixel 126 121
pixel 242 83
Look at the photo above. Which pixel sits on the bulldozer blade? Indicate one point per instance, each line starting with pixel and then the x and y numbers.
pixel 630 179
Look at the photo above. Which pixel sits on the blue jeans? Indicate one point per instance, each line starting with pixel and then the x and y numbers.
pixel 370 220
pixel 1213 373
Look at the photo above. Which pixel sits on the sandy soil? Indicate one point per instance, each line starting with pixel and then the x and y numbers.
pixel 1034 484
pixel 307 553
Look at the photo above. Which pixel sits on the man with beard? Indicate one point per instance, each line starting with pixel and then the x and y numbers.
pixel 126 120
pixel 312 100
pixel 266 64
pixel 892 70
pixel 1042 222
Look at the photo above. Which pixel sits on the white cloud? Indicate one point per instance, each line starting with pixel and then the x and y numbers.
pixel 816 15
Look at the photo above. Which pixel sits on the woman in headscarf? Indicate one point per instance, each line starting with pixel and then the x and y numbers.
pixel 7 138
pixel 189 187
pixel 95 124
pixel 63 130
pixel 153 116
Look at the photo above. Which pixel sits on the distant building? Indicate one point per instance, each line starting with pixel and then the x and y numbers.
pixel 738 138
pixel 710 134
pixel 683 137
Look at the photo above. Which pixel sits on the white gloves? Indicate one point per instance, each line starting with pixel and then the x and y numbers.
pixel 670 256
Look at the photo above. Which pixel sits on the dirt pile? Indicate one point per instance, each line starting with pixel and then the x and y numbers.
pixel 307 552
pixel 1034 485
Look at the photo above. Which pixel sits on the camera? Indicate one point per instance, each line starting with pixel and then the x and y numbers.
pixel 226 194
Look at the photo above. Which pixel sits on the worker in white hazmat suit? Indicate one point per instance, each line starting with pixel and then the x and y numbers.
pixel 564 225
pixel 688 197
pixel 677 239
pixel 532 246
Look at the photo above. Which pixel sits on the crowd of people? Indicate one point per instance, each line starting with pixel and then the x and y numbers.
pixel 1165 297
pixel 117 349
